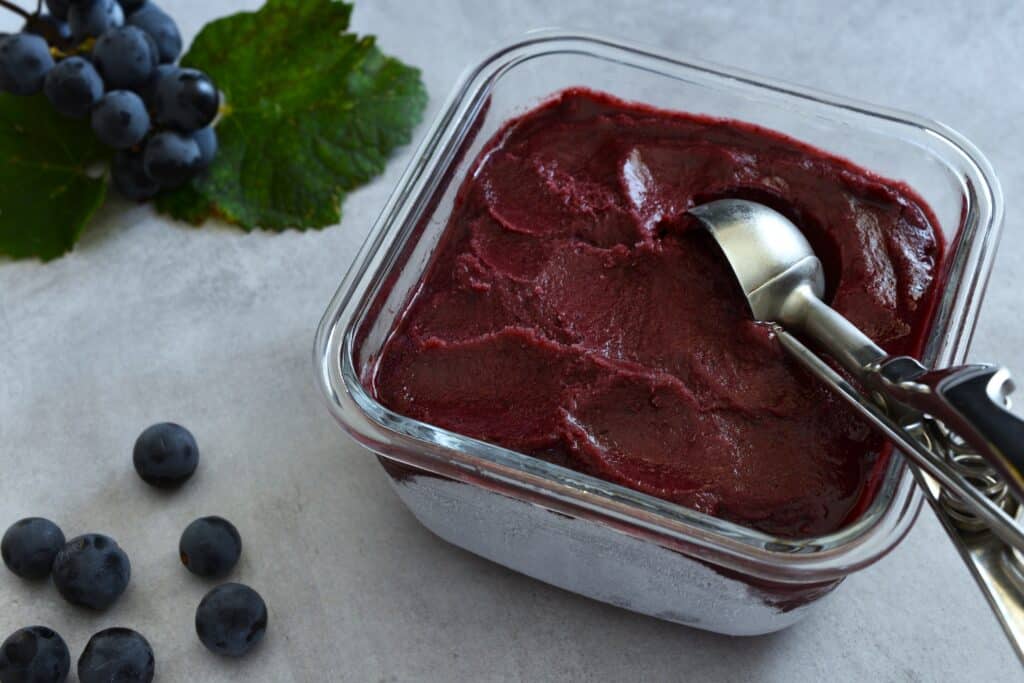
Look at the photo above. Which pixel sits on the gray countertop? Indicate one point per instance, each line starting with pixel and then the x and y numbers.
pixel 152 320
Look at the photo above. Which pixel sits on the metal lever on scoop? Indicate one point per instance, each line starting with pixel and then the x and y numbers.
pixel 970 400
pixel 909 443
pixel 783 282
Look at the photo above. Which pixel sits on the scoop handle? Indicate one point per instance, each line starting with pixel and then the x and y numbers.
pixel 840 338
pixel 909 441
pixel 971 400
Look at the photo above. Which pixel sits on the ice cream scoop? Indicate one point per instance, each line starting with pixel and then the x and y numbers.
pixel 783 282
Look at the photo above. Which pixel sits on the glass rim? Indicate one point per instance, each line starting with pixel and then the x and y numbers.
pixel 826 557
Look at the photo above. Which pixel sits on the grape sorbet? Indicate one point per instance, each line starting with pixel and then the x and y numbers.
pixel 575 313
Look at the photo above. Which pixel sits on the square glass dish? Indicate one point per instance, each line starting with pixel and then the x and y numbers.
pixel 573 530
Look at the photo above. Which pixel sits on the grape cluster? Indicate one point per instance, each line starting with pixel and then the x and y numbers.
pixel 113 61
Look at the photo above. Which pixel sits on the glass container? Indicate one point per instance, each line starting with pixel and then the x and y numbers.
pixel 576 531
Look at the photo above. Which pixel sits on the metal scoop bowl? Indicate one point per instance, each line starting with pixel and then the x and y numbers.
pixel 784 282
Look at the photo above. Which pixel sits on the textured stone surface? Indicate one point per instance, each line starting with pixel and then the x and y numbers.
pixel 151 320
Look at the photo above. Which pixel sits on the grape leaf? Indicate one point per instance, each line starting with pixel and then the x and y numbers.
pixel 312 111
pixel 46 193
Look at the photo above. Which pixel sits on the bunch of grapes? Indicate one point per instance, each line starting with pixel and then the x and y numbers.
pixel 114 62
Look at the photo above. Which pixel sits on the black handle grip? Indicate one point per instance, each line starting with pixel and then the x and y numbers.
pixel 979 397
pixel 971 400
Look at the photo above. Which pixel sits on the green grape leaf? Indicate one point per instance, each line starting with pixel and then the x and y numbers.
pixel 312 111
pixel 47 194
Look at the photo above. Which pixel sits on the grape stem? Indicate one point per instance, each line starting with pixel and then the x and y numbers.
pixel 14 8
